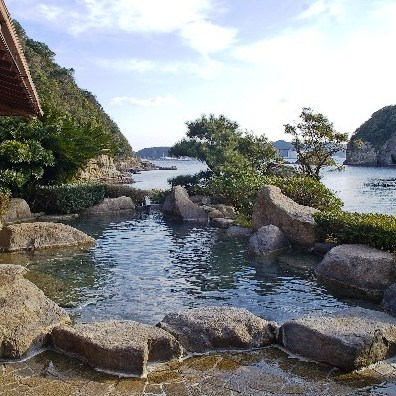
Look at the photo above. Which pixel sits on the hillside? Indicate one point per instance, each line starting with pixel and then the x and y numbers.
pixel 153 153
pixel 58 90
pixel 374 142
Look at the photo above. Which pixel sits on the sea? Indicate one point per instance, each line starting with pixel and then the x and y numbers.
pixel 362 189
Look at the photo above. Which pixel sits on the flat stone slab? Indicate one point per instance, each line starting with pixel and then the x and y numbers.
pixel 349 339
pixel 360 267
pixel 119 347
pixel 206 329
pixel 41 235
pixel 27 316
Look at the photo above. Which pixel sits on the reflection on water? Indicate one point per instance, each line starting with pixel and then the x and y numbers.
pixel 143 267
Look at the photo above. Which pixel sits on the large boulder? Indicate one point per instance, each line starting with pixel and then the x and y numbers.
pixel 40 235
pixel 27 316
pixel 296 221
pixel 389 300
pixel 349 339
pixel 207 329
pixel 120 347
pixel 367 270
pixel 18 210
pixel 111 205
pixel 178 204
pixel 267 239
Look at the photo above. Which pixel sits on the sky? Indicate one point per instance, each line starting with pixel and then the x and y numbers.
pixel 155 64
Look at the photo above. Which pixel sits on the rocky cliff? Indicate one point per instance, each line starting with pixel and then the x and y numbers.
pixel 374 142
pixel 105 169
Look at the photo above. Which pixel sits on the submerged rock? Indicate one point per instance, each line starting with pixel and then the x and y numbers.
pixel 358 267
pixel 40 235
pixel 267 239
pixel 120 347
pixel 238 231
pixel 296 221
pixel 221 222
pixel 27 316
pixel 349 339
pixel 210 328
pixel 178 204
pixel 111 205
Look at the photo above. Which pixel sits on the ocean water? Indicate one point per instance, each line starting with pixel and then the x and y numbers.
pixel 362 189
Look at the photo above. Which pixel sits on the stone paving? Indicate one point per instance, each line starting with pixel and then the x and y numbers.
pixel 269 371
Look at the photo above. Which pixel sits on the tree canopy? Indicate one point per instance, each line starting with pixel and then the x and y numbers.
pixel 316 141
pixel 221 144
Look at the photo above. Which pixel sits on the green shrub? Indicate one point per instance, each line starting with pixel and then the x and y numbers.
pixel 158 196
pixel 241 189
pixel 372 229
pixel 194 184
pixel 68 198
pixel 4 201
pixel 308 191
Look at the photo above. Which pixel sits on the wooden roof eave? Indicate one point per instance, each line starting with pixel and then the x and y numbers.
pixel 15 78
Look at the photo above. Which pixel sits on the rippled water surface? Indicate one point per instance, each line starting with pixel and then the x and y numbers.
pixel 144 266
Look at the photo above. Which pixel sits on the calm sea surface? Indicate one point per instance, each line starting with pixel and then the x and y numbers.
pixel 362 189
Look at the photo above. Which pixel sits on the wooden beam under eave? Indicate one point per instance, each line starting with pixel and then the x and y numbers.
pixel 11 51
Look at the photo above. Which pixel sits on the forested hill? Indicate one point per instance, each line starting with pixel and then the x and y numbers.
pixel 153 153
pixel 58 91
pixel 379 128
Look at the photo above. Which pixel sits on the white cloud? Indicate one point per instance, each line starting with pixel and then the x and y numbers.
pixel 207 37
pixel 326 8
pixel 138 65
pixel 155 101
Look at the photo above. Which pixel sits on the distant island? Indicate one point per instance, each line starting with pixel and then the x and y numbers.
pixel 153 153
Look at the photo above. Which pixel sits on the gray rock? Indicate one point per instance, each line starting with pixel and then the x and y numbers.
pixel 296 221
pixel 40 235
pixel 121 347
pixel 359 267
pixel 215 213
pixel 323 247
pixel 178 204
pixel 27 316
pixel 227 211
pixel 267 239
pixel 18 211
pixel 221 222
pixel 210 328
pixel 349 339
pixel 201 199
pixel 236 231
pixel 389 300
pixel 111 205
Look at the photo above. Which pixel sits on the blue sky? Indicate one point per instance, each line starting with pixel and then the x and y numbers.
pixel 154 64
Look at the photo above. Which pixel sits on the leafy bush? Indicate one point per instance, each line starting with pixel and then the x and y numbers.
pixel 4 200
pixel 194 184
pixel 307 191
pixel 158 196
pixel 241 188
pixel 376 230
pixel 68 198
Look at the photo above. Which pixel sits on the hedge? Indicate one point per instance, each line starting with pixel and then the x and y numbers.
pixel 372 229
pixel 4 201
pixel 68 198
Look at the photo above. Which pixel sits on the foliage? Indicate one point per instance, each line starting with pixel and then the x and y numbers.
pixel 315 141
pixel 194 184
pixel 58 90
pixel 153 153
pixel 117 190
pixel 4 201
pixel 376 230
pixel 23 156
pixel 378 129
pixel 242 186
pixel 158 196
pixel 68 198
pixel 219 142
